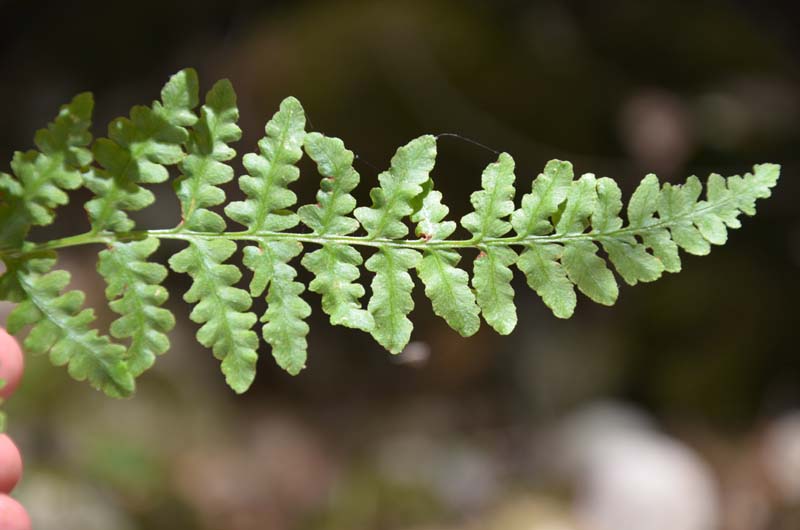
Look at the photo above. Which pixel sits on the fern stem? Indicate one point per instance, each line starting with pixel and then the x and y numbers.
pixel 89 238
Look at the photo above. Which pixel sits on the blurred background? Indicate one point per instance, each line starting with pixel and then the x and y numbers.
pixel 676 409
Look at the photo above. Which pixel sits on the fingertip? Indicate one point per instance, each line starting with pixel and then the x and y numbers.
pixel 10 465
pixel 12 515
pixel 12 363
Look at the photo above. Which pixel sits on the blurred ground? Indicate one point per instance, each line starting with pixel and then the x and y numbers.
pixel 676 409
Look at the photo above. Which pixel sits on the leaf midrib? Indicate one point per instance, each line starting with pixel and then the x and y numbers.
pixel 107 237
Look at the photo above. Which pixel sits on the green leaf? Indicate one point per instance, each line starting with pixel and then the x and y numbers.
pixel 632 261
pixel 334 203
pixel 491 273
pixel 694 224
pixel 178 97
pixel 270 173
pixel 677 203
pixel 10 288
pixel 643 204
pixel 664 248
pixel 494 203
pixel 644 201
pixel 136 152
pixel 263 260
pixel 581 202
pixel 220 308
pixel 548 278
pixel 135 292
pixel 44 175
pixel 446 285
pixel 728 198
pixel 204 168
pixel 583 266
pixel 285 329
pixel 712 221
pixel 68 135
pixel 10 190
pixel 588 271
pixel 430 214
pixel 605 215
pixel 335 266
pixel 60 325
pixel 43 182
pixel 448 288
pixel 391 300
pixel 493 292
pixel 755 185
pixel 548 191
pixel 629 257
pixel 391 202
pixel 335 269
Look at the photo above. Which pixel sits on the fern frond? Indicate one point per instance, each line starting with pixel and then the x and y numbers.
pixel 336 269
pixel 584 267
pixel 136 152
pixel 554 237
pixel 492 274
pixel 630 258
pixel 543 271
pixel 221 308
pixel 540 263
pixel 134 291
pixel 445 284
pixel 285 329
pixel 335 266
pixel 204 167
pixel 271 171
pixel 391 299
pixel 60 325
pixel 589 212
pixel 334 203
pixel 643 204
pixel 399 186
pixel 43 175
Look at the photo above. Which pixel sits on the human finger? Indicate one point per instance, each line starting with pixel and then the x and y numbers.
pixel 12 515
pixel 10 465
pixel 11 364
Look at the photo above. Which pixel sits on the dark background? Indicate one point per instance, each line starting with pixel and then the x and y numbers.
pixel 619 88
